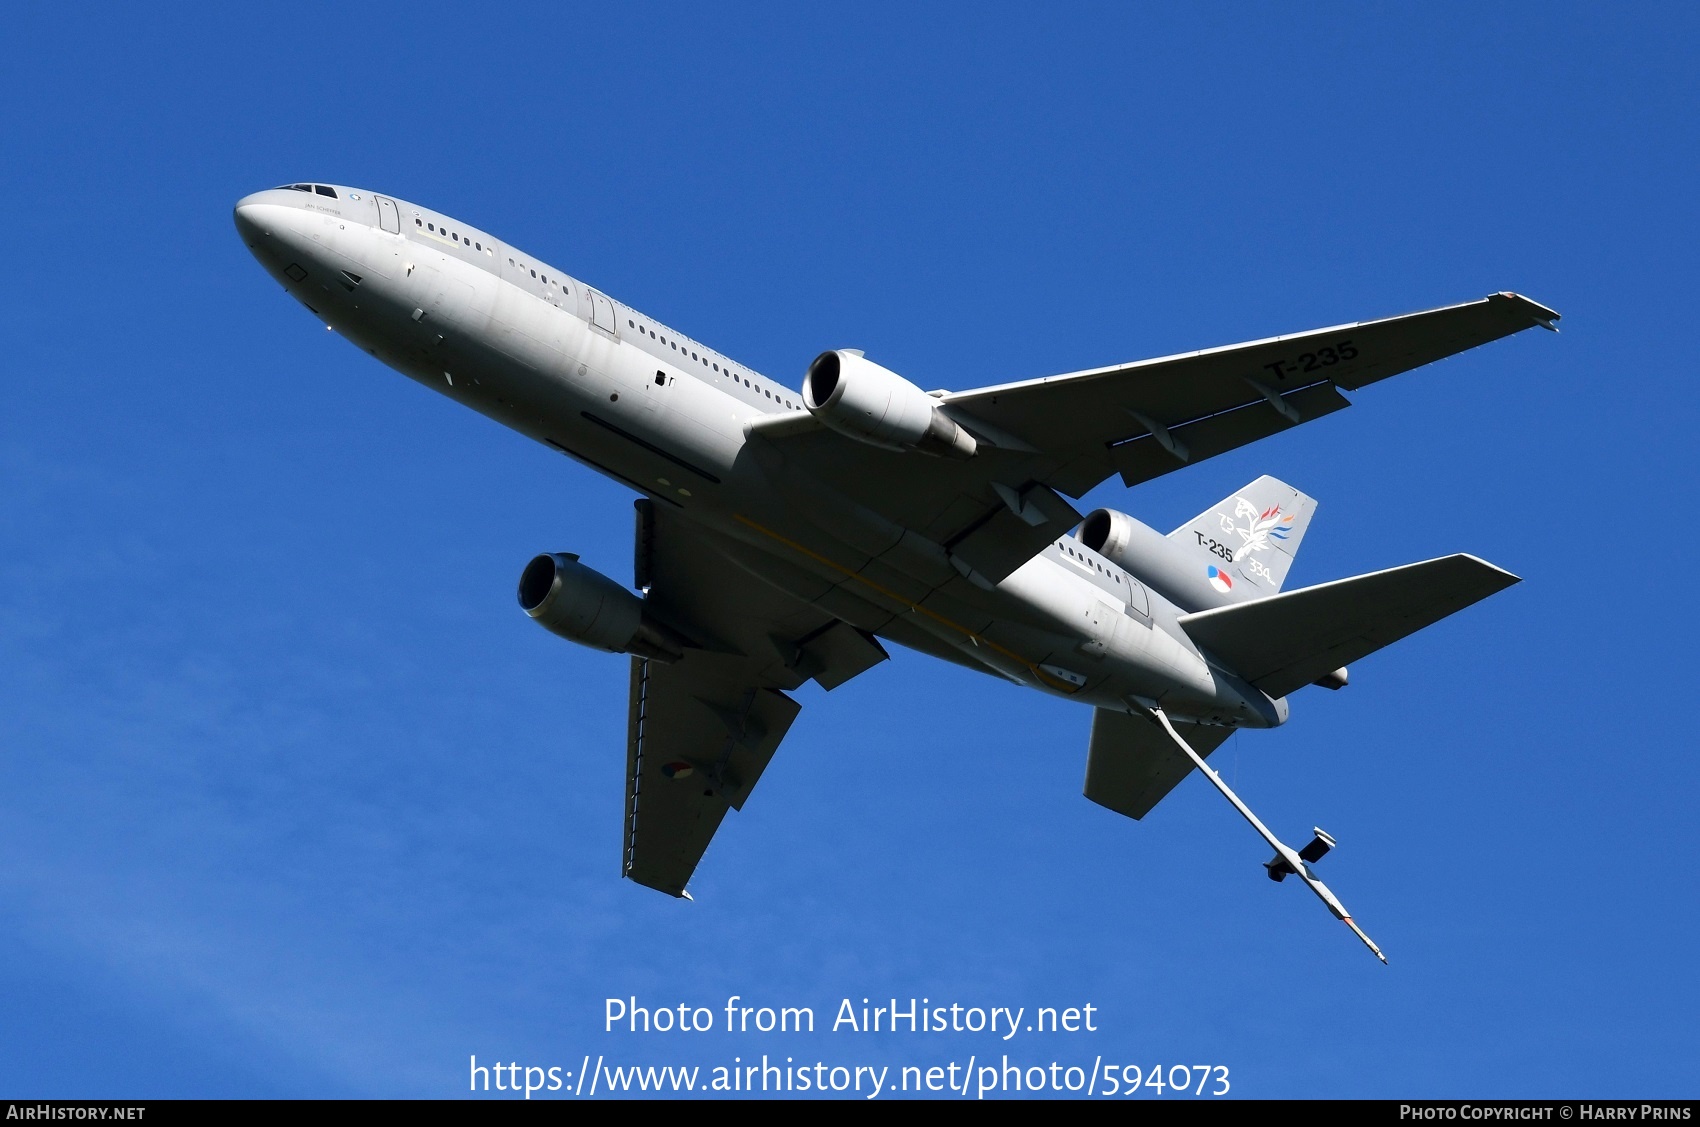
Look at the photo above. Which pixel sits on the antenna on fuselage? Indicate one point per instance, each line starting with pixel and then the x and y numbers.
pixel 1287 860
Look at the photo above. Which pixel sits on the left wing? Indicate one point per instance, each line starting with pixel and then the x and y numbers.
pixel 1145 419
pixel 702 730
pixel 1044 440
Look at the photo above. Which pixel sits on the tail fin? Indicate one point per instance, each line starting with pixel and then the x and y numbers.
pixel 1248 540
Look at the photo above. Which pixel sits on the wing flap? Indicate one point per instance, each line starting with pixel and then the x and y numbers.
pixel 1286 641
pixel 1131 763
pixel 1012 532
pixel 1144 457
pixel 836 653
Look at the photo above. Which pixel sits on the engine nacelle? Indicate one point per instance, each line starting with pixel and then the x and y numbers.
pixel 854 396
pixel 1152 558
pixel 582 605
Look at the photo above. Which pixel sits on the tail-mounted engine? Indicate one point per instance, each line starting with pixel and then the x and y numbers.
pixel 1147 553
pixel 582 605
pixel 854 396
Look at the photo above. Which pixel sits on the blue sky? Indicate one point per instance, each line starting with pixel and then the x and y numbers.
pixel 294 801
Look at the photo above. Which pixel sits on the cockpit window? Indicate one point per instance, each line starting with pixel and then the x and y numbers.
pixel 324 191
pixel 302 187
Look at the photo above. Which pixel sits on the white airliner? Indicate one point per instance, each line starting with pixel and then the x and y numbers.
pixel 782 534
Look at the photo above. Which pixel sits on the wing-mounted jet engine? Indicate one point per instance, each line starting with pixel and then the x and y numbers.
pixel 582 605
pixel 856 397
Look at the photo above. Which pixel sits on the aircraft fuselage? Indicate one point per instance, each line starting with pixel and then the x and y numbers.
pixel 502 332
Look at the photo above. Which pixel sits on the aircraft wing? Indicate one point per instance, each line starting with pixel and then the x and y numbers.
pixel 701 730
pixel 1196 399
pixel 1044 440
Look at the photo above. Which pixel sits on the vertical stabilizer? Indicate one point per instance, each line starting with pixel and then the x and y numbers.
pixel 1247 542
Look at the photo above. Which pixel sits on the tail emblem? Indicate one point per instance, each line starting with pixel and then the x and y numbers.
pixel 1259 530
pixel 1219 579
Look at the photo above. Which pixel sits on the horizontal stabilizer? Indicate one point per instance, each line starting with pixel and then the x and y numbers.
pixel 1133 763
pixel 1286 641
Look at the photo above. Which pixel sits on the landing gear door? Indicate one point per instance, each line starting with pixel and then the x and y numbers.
pixel 602 313
pixel 388 217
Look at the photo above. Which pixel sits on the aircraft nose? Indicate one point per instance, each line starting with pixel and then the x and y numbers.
pixel 248 216
pixel 271 225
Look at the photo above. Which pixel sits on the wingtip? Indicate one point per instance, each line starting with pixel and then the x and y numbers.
pixel 1509 576
pixel 1538 314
